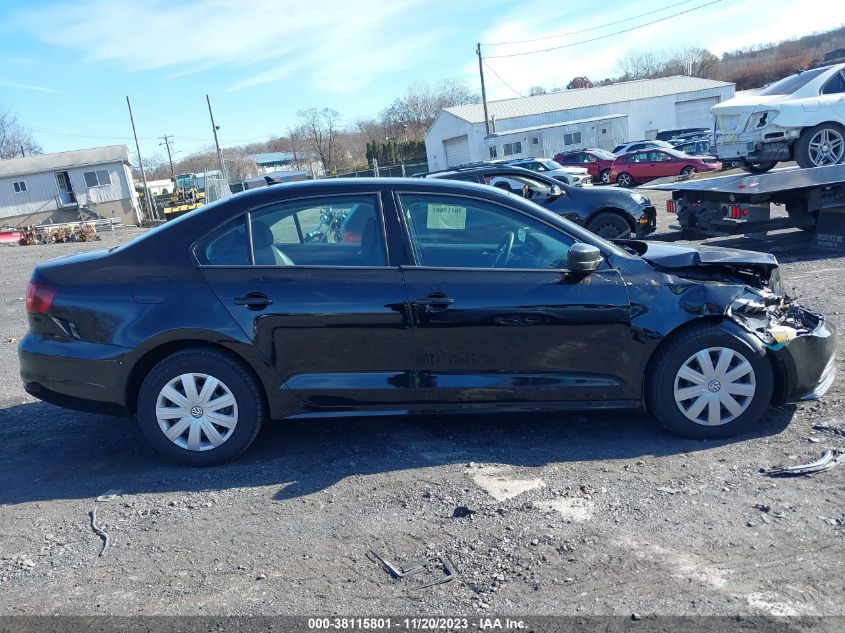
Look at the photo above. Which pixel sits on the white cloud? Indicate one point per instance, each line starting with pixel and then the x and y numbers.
pixel 31 87
pixel 722 27
pixel 341 46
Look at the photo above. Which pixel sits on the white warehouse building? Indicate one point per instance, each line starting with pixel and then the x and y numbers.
pixel 544 125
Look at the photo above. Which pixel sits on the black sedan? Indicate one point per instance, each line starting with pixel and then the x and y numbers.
pixel 610 212
pixel 447 298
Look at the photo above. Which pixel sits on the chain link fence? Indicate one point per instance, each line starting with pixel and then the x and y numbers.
pixel 385 171
pixel 216 187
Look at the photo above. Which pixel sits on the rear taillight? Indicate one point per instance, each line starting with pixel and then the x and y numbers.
pixel 39 297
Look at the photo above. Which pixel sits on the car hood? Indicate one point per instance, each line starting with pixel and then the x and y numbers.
pixel 682 256
pixel 568 170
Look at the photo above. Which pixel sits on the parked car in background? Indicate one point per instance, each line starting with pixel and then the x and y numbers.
pixel 633 146
pixel 800 118
pixel 665 135
pixel 699 147
pixel 597 161
pixel 572 176
pixel 483 303
pixel 607 211
pixel 645 165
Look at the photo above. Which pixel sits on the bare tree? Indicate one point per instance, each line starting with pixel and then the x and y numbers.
pixel 533 91
pixel 321 128
pixel 15 139
pixel 696 62
pixel 411 115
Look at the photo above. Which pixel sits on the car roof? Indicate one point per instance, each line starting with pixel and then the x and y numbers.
pixel 493 170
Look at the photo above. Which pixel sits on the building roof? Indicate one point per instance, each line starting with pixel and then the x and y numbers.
pixel 64 160
pixel 584 97
pixel 273 157
pixel 547 126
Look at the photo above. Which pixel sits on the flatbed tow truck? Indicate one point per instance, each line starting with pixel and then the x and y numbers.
pixel 738 204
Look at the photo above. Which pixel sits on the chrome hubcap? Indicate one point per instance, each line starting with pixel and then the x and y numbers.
pixel 196 412
pixel 826 147
pixel 714 386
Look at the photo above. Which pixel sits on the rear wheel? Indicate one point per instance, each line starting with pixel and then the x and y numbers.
pixel 757 168
pixel 821 145
pixel 711 382
pixel 200 407
pixel 624 180
pixel 610 226
pixel 604 176
pixel 688 171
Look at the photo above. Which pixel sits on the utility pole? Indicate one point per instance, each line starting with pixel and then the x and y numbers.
pixel 148 199
pixel 214 129
pixel 483 91
pixel 166 143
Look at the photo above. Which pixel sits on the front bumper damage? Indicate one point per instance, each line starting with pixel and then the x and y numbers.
pixel 799 341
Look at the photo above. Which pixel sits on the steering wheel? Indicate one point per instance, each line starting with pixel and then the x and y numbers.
pixel 503 252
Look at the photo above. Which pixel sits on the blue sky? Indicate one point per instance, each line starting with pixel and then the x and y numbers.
pixel 66 67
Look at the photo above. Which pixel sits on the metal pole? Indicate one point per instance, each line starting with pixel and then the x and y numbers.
pixel 483 91
pixel 148 198
pixel 216 143
pixel 169 157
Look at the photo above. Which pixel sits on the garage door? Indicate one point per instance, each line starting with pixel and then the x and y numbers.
pixel 457 150
pixel 694 113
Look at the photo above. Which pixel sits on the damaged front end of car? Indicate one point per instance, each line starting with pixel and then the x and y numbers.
pixel 745 288
pixel 800 342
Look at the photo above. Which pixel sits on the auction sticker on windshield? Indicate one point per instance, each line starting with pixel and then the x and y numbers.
pixel 446 216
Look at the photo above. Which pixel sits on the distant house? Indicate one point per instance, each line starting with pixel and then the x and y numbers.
pixel 68 186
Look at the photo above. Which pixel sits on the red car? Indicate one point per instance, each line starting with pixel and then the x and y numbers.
pixel 648 164
pixel 597 161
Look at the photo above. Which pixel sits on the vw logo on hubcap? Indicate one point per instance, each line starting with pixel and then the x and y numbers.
pixel 714 386
pixel 196 412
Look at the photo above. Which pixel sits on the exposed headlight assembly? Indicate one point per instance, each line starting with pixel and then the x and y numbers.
pixel 640 199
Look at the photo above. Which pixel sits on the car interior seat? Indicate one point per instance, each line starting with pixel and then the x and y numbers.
pixel 266 253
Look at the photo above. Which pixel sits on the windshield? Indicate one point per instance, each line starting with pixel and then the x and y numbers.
pixel 790 84
pixel 549 164
pixel 185 181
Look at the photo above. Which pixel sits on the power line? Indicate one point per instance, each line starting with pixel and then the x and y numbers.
pixel 490 68
pixel 603 37
pixel 593 28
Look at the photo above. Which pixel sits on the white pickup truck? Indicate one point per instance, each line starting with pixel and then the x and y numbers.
pixel 800 118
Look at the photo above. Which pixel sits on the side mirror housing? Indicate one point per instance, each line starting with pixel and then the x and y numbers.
pixel 583 258
pixel 556 191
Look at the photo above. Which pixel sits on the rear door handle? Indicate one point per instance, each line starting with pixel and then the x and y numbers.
pixel 254 300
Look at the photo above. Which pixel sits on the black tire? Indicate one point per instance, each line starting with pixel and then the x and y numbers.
pixel 660 383
pixel 689 170
pixel 610 226
pixel 236 377
pixel 757 168
pixel 624 180
pixel 604 176
pixel 802 147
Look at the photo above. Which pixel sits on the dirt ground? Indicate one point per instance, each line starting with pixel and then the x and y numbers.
pixel 568 514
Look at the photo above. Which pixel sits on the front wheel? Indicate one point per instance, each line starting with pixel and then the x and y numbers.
pixel 610 226
pixel 710 382
pixel 200 407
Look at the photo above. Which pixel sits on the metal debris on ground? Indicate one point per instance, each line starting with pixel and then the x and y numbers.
pixel 99 531
pixel 462 512
pixel 828 460
pixel 830 428
pixel 411 569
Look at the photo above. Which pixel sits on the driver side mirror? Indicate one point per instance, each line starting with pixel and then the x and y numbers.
pixel 556 191
pixel 583 258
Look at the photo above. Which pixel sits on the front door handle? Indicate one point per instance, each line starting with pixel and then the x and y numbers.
pixel 254 300
pixel 434 301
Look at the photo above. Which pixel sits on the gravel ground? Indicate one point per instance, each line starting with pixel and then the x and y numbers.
pixel 570 514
